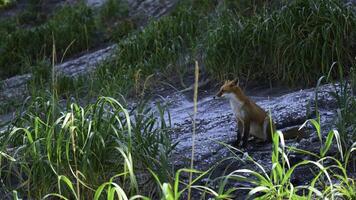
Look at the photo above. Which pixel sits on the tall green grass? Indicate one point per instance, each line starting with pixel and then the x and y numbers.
pixel 71 150
pixel 103 150
pixel 114 19
pixel 330 178
pixel 160 47
pixel 6 3
pixel 344 93
pixel 163 44
pixel 26 39
pixel 23 46
pixel 65 150
pixel 160 43
pixel 295 44
pixel 284 42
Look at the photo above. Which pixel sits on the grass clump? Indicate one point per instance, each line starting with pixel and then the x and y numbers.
pixel 113 18
pixel 329 176
pixel 294 44
pixel 27 38
pixel 105 150
pixel 160 44
pixel 6 3
pixel 21 46
pixel 73 151
pixel 344 93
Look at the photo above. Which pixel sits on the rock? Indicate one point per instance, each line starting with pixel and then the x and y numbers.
pixel 86 63
pixel 14 88
pixel 95 3
pixel 150 8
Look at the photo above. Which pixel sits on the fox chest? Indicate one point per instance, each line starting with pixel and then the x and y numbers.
pixel 255 129
pixel 240 112
pixel 237 109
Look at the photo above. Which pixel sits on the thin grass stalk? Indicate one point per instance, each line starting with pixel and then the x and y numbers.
pixel 53 75
pixel 53 79
pixel 194 125
pixel 72 134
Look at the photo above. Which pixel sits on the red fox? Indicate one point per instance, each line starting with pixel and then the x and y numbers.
pixel 251 118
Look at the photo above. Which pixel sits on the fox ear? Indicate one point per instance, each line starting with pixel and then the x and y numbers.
pixel 236 81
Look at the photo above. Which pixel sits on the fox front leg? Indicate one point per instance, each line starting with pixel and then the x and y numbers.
pixel 239 132
pixel 246 132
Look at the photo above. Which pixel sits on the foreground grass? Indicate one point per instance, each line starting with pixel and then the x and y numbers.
pixel 49 148
pixel 104 150
pixel 66 151
pixel 72 152
pixel 330 179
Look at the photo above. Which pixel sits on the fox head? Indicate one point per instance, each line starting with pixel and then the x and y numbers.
pixel 228 87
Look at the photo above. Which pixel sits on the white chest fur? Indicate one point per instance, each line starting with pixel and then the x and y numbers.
pixel 236 105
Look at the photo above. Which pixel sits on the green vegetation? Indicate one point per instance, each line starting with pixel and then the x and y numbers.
pixel 330 176
pixel 159 44
pixel 61 149
pixel 6 3
pixel 114 21
pixel 294 44
pixel 74 152
pixel 346 113
pixel 27 39
pixel 23 47
pixel 85 146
